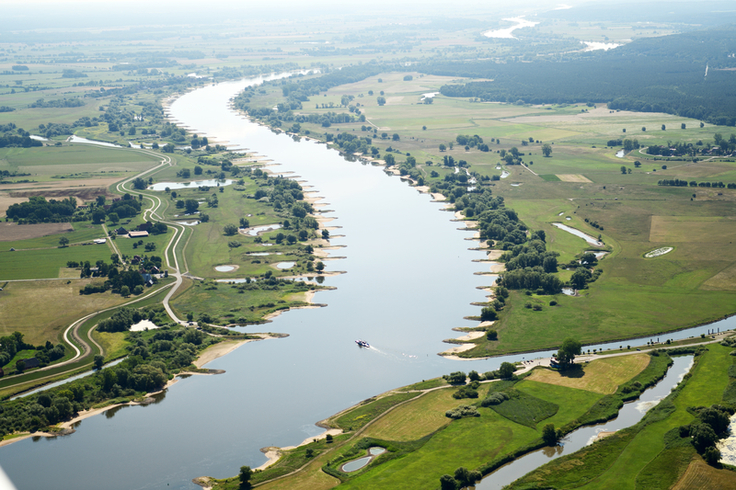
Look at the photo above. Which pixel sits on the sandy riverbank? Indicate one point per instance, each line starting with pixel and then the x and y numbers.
pixel 273 453
pixel 210 354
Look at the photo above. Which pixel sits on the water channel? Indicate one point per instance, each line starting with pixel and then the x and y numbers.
pixel 631 413
pixel 410 279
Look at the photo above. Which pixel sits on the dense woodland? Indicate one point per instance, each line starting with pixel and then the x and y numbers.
pixel 661 74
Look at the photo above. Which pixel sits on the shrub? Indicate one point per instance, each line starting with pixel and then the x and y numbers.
pixel 494 399
pixel 462 411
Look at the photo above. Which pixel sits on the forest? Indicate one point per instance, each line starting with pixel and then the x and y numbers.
pixel 663 74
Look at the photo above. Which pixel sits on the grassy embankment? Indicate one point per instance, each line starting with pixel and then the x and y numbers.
pixel 423 443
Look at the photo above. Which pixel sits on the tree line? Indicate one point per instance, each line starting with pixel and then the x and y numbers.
pixel 150 363
pixel 664 74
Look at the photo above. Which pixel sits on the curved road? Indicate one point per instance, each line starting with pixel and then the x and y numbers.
pixel 73 329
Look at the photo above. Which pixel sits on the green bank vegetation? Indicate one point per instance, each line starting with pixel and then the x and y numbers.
pixel 658 452
pixel 421 438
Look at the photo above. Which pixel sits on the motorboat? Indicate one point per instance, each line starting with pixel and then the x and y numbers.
pixel 362 343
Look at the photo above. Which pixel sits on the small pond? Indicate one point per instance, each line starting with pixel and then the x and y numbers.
pixel 359 463
pixel 658 252
pixel 187 223
pixel 285 265
pixel 598 254
pixel 225 268
pixel 504 174
pixel 262 254
pixel 620 153
pixel 261 229
pixel 78 139
pixel 568 291
pixel 161 186
pixel 578 233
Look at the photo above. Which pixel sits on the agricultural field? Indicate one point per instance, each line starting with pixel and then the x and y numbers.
pixel 24 307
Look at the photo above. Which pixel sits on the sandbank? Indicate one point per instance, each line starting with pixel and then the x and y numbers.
pixel 471 336
pixel 496 268
pixel 456 349
pixel 218 350
pixel 495 254
pixel 273 453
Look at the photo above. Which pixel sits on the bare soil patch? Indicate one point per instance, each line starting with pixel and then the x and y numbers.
pixel 6 201
pixel 12 231
pixel 573 178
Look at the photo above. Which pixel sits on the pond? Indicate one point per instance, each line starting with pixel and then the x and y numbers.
pixel 359 463
pixel 285 265
pixel 578 233
pixel 161 186
pixel 225 268
pixel 257 230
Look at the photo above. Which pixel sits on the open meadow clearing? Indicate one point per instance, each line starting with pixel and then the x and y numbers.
pixel 40 310
pixel 602 376
pixel 74 161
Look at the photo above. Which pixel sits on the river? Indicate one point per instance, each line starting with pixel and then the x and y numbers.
pixel 410 279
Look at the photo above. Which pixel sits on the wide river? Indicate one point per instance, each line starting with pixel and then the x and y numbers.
pixel 410 279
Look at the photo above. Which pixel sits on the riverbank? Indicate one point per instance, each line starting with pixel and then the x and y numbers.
pixel 206 356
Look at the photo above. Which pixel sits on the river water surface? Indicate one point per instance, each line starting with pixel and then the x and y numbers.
pixel 410 279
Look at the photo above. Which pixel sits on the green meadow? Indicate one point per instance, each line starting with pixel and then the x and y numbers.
pixel 647 455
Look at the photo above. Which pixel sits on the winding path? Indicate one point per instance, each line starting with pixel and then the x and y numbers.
pixel 71 335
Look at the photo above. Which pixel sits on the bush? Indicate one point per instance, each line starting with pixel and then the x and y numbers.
pixel 494 399
pixel 465 392
pixel 488 314
pixel 492 335
pixel 462 411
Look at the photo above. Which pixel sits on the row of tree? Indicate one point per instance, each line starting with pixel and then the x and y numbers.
pixel 693 183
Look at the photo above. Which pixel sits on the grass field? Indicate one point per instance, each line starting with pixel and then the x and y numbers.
pixel 602 376
pixel 73 161
pixel 46 263
pixel 639 457
pixel 473 441
pixel 415 420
